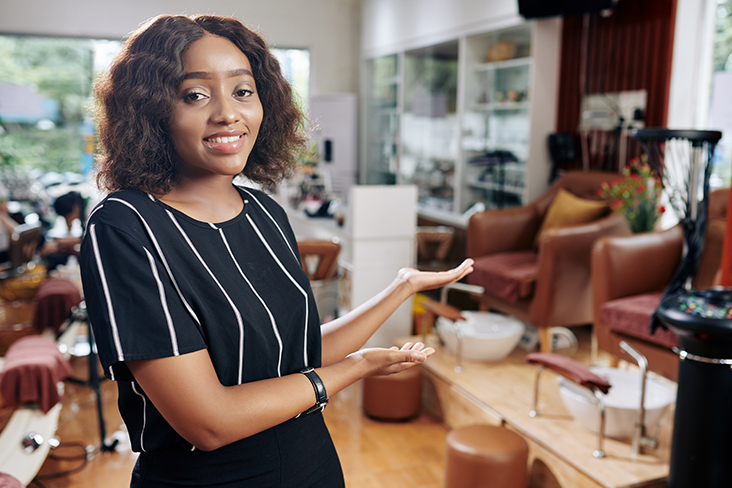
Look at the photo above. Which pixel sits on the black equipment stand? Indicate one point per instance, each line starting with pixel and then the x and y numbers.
pixel 78 314
pixel 701 451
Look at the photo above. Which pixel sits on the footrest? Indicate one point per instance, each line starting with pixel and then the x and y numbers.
pixel 570 369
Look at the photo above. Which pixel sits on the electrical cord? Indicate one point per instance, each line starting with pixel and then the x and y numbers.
pixel 84 458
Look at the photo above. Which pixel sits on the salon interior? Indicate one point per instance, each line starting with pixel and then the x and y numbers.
pixel 577 150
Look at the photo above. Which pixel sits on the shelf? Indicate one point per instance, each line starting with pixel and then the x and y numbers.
pixel 509 63
pixel 490 185
pixel 386 110
pixel 389 81
pixel 453 219
pixel 500 107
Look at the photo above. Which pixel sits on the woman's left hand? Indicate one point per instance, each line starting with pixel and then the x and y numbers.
pixel 378 361
pixel 428 280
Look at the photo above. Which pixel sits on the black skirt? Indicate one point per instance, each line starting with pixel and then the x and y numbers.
pixel 296 454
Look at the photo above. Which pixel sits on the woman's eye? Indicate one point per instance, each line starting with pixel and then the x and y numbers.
pixel 193 97
pixel 244 93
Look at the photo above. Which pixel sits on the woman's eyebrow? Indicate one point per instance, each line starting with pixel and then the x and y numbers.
pixel 205 75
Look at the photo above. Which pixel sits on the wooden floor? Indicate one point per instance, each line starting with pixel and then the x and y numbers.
pixel 373 454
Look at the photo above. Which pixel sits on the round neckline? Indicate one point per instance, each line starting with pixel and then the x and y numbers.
pixel 210 225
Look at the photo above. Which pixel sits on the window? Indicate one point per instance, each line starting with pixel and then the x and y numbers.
pixel 720 114
pixel 45 101
pixel 295 64
pixel 46 105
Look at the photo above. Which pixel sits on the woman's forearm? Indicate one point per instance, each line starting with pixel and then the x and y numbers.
pixel 350 332
pixel 187 392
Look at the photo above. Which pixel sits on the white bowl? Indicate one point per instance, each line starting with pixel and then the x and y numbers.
pixel 486 336
pixel 621 402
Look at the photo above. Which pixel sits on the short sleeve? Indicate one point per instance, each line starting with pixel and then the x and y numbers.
pixel 133 303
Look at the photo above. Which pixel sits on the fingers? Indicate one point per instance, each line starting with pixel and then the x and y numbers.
pixel 465 268
pixel 418 351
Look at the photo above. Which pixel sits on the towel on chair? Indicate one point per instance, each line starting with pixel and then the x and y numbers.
pixel 33 366
pixel 56 297
pixel 10 481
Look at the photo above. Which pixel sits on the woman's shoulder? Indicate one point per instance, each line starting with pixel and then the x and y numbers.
pixel 123 208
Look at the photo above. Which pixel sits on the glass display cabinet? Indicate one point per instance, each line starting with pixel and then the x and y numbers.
pixel 382 121
pixel 454 118
pixel 430 124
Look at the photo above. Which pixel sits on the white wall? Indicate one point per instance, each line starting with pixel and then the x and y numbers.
pixel 392 25
pixel 691 69
pixel 328 28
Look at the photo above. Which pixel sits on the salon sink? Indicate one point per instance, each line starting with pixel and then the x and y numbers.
pixel 486 336
pixel 621 402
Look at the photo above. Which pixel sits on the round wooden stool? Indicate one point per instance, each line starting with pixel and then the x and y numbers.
pixel 484 456
pixel 394 397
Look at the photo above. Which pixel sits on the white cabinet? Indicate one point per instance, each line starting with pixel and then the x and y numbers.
pixel 377 240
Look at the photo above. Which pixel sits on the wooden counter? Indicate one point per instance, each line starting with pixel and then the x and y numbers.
pixel 501 393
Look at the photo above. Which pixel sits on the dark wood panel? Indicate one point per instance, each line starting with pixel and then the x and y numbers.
pixel 631 49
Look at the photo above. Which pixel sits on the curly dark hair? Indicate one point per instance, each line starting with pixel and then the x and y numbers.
pixel 135 102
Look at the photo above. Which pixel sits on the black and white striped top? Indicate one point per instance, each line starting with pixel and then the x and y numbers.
pixel 158 283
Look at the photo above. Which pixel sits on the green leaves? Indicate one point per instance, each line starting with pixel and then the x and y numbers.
pixel 636 195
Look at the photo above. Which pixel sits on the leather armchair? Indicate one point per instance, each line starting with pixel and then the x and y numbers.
pixel 629 275
pixel 552 281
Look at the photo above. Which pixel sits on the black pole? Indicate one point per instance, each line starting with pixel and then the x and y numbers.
pixel 94 383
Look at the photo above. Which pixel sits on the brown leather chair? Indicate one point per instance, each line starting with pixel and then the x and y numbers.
pixel 548 285
pixel 319 258
pixel 629 275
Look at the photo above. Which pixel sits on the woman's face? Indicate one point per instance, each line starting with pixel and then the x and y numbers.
pixel 217 111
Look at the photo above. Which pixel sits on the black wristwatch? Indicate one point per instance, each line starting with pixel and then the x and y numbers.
pixel 321 396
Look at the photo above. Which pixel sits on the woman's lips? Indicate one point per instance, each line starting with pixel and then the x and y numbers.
pixel 224 144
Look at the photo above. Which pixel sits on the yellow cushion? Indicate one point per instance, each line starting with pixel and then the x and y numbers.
pixel 567 209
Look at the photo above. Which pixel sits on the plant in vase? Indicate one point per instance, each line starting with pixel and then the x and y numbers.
pixel 636 195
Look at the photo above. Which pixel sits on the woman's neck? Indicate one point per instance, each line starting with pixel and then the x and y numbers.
pixel 213 202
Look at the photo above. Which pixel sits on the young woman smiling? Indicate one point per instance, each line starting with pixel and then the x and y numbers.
pixel 200 308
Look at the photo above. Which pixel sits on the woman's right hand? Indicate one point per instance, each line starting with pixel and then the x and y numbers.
pixel 380 361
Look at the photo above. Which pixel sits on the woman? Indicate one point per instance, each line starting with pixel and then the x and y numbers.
pixel 200 308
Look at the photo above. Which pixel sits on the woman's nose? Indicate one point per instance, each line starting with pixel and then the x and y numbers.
pixel 224 111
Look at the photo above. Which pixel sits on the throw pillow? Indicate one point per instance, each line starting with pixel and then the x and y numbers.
pixel 567 209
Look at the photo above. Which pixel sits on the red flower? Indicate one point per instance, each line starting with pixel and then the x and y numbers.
pixel 641 188
pixel 661 209
pixel 616 204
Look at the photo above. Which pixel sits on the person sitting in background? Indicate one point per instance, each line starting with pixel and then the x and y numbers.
pixel 64 238
pixel 70 208
pixel 7 225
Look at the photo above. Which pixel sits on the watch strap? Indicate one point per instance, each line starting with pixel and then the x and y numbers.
pixel 321 396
